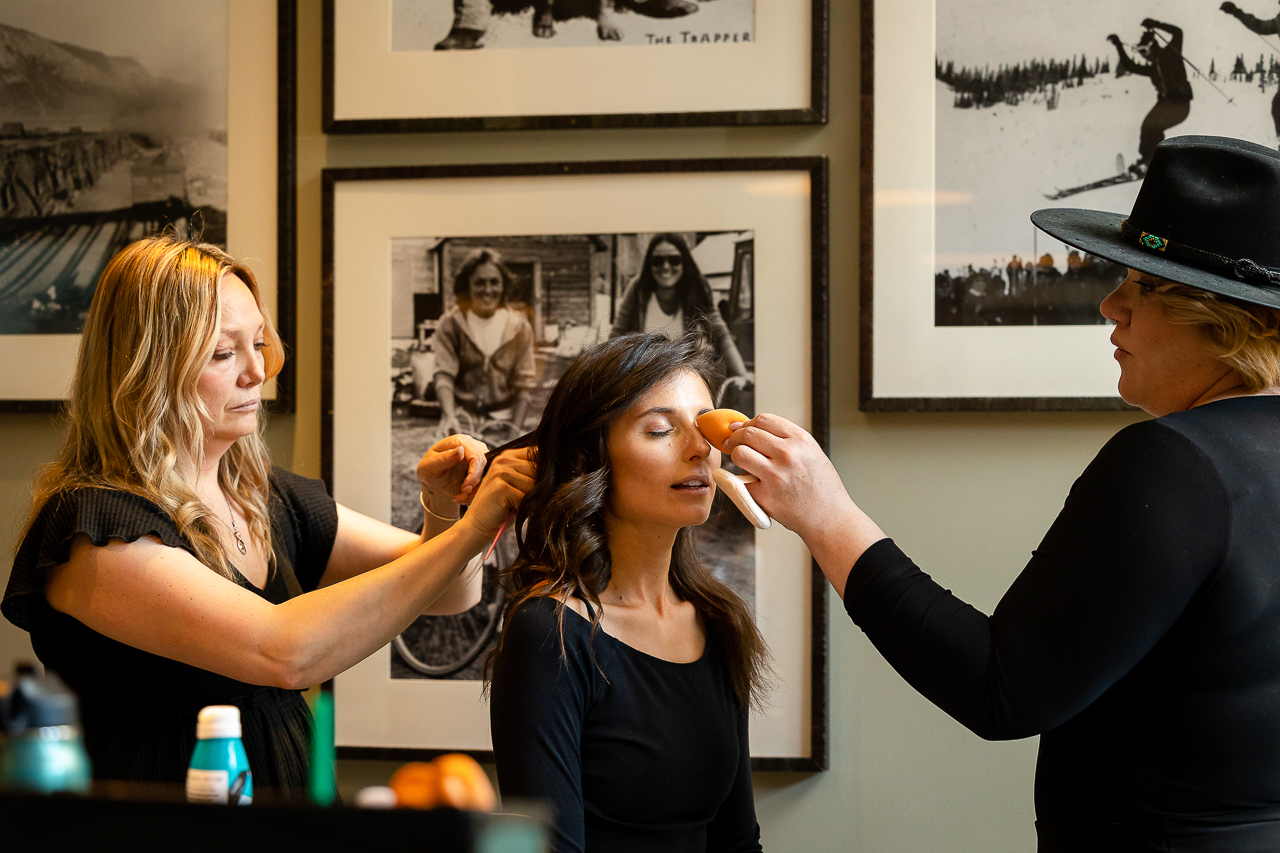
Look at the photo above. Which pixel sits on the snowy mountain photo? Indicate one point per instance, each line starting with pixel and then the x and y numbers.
pixel 1031 101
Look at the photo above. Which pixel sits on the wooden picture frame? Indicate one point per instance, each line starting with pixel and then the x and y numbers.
pixel 261 189
pixel 907 362
pixel 777 75
pixel 780 202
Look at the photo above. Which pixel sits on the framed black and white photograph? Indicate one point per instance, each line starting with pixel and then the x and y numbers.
pixel 516 64
pixel 115 124
pixel 977 113
pixel 472 289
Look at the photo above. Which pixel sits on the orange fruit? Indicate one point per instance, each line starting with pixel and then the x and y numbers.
pixel 715 425
pixel 454 780
pixel 464 784
pixel 417 785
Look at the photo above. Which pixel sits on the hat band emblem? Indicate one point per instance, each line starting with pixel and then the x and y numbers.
pixel 1151 241
pixel 1242 269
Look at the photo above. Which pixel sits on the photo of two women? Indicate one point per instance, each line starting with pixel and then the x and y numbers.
pixel 483 330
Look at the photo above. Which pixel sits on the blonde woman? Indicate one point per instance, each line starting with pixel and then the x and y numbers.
pixel 1142 640
pixel 166 565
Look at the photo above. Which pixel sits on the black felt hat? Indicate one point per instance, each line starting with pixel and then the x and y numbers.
pixel 1208 215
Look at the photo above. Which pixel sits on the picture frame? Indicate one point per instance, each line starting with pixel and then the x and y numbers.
pixel 776 76
pixel 261 189
pixel 907 363
pixel 369 212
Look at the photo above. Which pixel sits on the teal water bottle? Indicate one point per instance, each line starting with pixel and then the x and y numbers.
pixel 46 751
pixel 219 771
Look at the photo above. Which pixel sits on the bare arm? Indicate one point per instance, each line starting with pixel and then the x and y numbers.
pixel 448 473
pixel 162 600
pixel 364 543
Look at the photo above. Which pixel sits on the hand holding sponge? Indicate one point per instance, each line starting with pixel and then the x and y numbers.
pixel 715 427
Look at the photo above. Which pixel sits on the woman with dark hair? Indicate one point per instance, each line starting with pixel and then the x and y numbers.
pixel 670 295
pixel 483 348
pixel 625 670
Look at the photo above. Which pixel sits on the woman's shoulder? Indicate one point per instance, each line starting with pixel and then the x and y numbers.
pixel 633 288
pixel 297 491
pixel 103 513
pixel 542 612
pixel 1179 438
pixel 535 625
pixel 516 322
pixel 1154 460
pixel 451 320
pixel 99 514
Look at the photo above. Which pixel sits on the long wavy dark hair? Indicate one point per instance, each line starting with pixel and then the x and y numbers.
pixel 693 290
pixel 560 528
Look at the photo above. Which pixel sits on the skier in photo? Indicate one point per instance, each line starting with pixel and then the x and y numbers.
pixel 1263 28
pixel 1169 76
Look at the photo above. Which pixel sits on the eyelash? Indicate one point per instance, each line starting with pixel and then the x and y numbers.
pixel 259 346
pixel 661 433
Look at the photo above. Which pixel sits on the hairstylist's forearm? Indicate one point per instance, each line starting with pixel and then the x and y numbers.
pixel 320 634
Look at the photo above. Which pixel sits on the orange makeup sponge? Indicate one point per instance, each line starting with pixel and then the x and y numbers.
pixel 715 425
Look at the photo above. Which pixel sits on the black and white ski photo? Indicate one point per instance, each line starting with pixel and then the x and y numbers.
pixel 483 327
pixel 493 24
pixel 1060 105
pixel 110 129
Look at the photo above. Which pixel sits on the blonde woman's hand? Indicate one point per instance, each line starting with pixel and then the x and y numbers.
pixel 503 487
pixel 451 470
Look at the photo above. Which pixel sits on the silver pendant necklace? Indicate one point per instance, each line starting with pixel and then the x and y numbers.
pixel 235 531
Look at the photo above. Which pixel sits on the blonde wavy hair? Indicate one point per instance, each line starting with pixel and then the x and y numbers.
pixel 135 417
pixel 1244 336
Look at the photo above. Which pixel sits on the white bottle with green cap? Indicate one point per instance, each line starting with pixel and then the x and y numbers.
pixel 219 771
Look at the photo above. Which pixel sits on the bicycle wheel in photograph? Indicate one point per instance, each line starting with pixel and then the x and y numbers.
pixel 455 647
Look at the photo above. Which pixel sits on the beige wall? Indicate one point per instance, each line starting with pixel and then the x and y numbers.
pixel 968 495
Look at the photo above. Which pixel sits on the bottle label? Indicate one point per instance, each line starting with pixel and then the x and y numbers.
pixel 217 786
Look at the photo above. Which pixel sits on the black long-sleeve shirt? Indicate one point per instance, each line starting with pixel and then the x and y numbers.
pixel 636 755
pixel 1142 641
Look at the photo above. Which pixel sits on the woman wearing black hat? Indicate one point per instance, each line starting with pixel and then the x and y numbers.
pixel 1142 641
